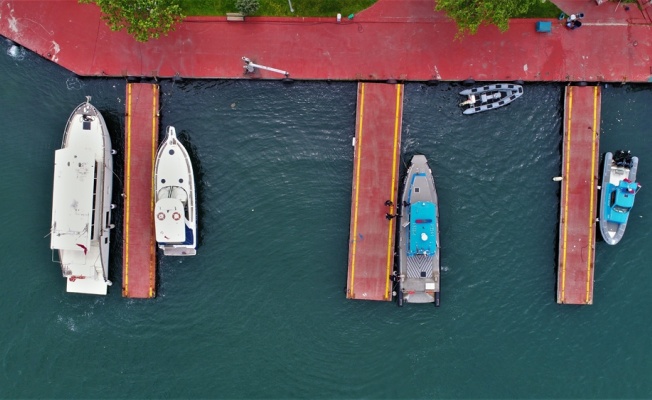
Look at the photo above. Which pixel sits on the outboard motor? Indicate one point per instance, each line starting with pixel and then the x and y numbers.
pixel 623 158
pixel 619 157
pixel 628 159
pixel 436 299
pixel 400 298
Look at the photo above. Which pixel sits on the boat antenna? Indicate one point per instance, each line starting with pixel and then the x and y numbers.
pixel 117 176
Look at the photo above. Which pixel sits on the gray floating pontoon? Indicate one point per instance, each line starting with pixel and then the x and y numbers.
pixel 490 97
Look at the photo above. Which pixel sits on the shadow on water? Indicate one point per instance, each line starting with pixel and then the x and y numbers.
pixel 198 172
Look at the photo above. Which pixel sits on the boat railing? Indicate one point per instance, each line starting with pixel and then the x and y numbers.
pixel 94 203
pixel 57 258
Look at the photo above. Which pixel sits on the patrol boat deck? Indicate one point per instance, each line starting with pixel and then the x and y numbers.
pixel 419 264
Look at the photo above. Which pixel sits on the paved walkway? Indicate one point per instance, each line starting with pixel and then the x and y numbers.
pixel 394 39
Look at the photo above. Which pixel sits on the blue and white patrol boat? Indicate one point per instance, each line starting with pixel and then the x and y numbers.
pixel 175 212
pixel 419 270
pixel 619 188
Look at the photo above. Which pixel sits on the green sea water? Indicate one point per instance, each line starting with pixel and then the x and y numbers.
pixel 261 312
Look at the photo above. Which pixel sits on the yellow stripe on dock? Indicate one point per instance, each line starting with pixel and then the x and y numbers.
pixel 566 191
pixel 127 194
pixel 358 146
pixel 591 212
pixel 390 238
pixel 152 268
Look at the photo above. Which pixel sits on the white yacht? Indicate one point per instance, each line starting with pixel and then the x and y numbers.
pixel 175 212
pixel 81 202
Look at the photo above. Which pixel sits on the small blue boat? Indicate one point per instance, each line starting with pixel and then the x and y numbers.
pixel 619 188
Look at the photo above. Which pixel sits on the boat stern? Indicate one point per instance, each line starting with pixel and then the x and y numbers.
pixel 169 222
pixel 84 285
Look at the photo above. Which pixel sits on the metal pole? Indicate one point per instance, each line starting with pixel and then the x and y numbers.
pixel 249 67
pixel 290 3
pixel 279 71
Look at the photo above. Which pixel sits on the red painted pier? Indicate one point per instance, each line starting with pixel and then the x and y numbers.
pixel 141 140
pixel 404 40
pixel 375 180
pixel 579 195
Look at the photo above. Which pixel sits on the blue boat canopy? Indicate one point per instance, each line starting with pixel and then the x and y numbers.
pixel 625 193
pixel 623 200
pixel 423 229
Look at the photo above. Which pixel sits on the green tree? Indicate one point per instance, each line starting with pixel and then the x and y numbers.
pixel 470 14
pixel 143 19
pixel 247 7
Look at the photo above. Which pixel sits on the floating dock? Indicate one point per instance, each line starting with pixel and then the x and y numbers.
pixel 141 141
pixel 579 195
pixel 375 180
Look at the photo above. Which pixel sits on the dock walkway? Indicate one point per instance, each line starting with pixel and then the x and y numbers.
pixel 141 140
pixel 579 195
pixel 403 40
pixel 375 180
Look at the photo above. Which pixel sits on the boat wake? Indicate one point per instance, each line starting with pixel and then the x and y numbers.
pixel 16 52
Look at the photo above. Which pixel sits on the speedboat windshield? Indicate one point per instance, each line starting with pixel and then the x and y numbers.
pixel 621 209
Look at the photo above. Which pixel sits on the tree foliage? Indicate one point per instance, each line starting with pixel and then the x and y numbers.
pixel 143 19
pixel 470 14
pixel 247 7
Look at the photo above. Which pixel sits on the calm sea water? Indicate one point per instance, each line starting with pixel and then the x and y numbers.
pixel 260 312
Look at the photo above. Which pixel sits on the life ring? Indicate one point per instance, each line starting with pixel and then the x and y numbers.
pixel 160 216
pixel 176 216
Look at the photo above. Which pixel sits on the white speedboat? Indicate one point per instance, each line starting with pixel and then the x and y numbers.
pixel 619 188
pixel 175 212
pixel 489 97
pixel 419 271
pixel 81 202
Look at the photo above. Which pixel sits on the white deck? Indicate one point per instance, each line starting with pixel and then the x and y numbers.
pixel 72 199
